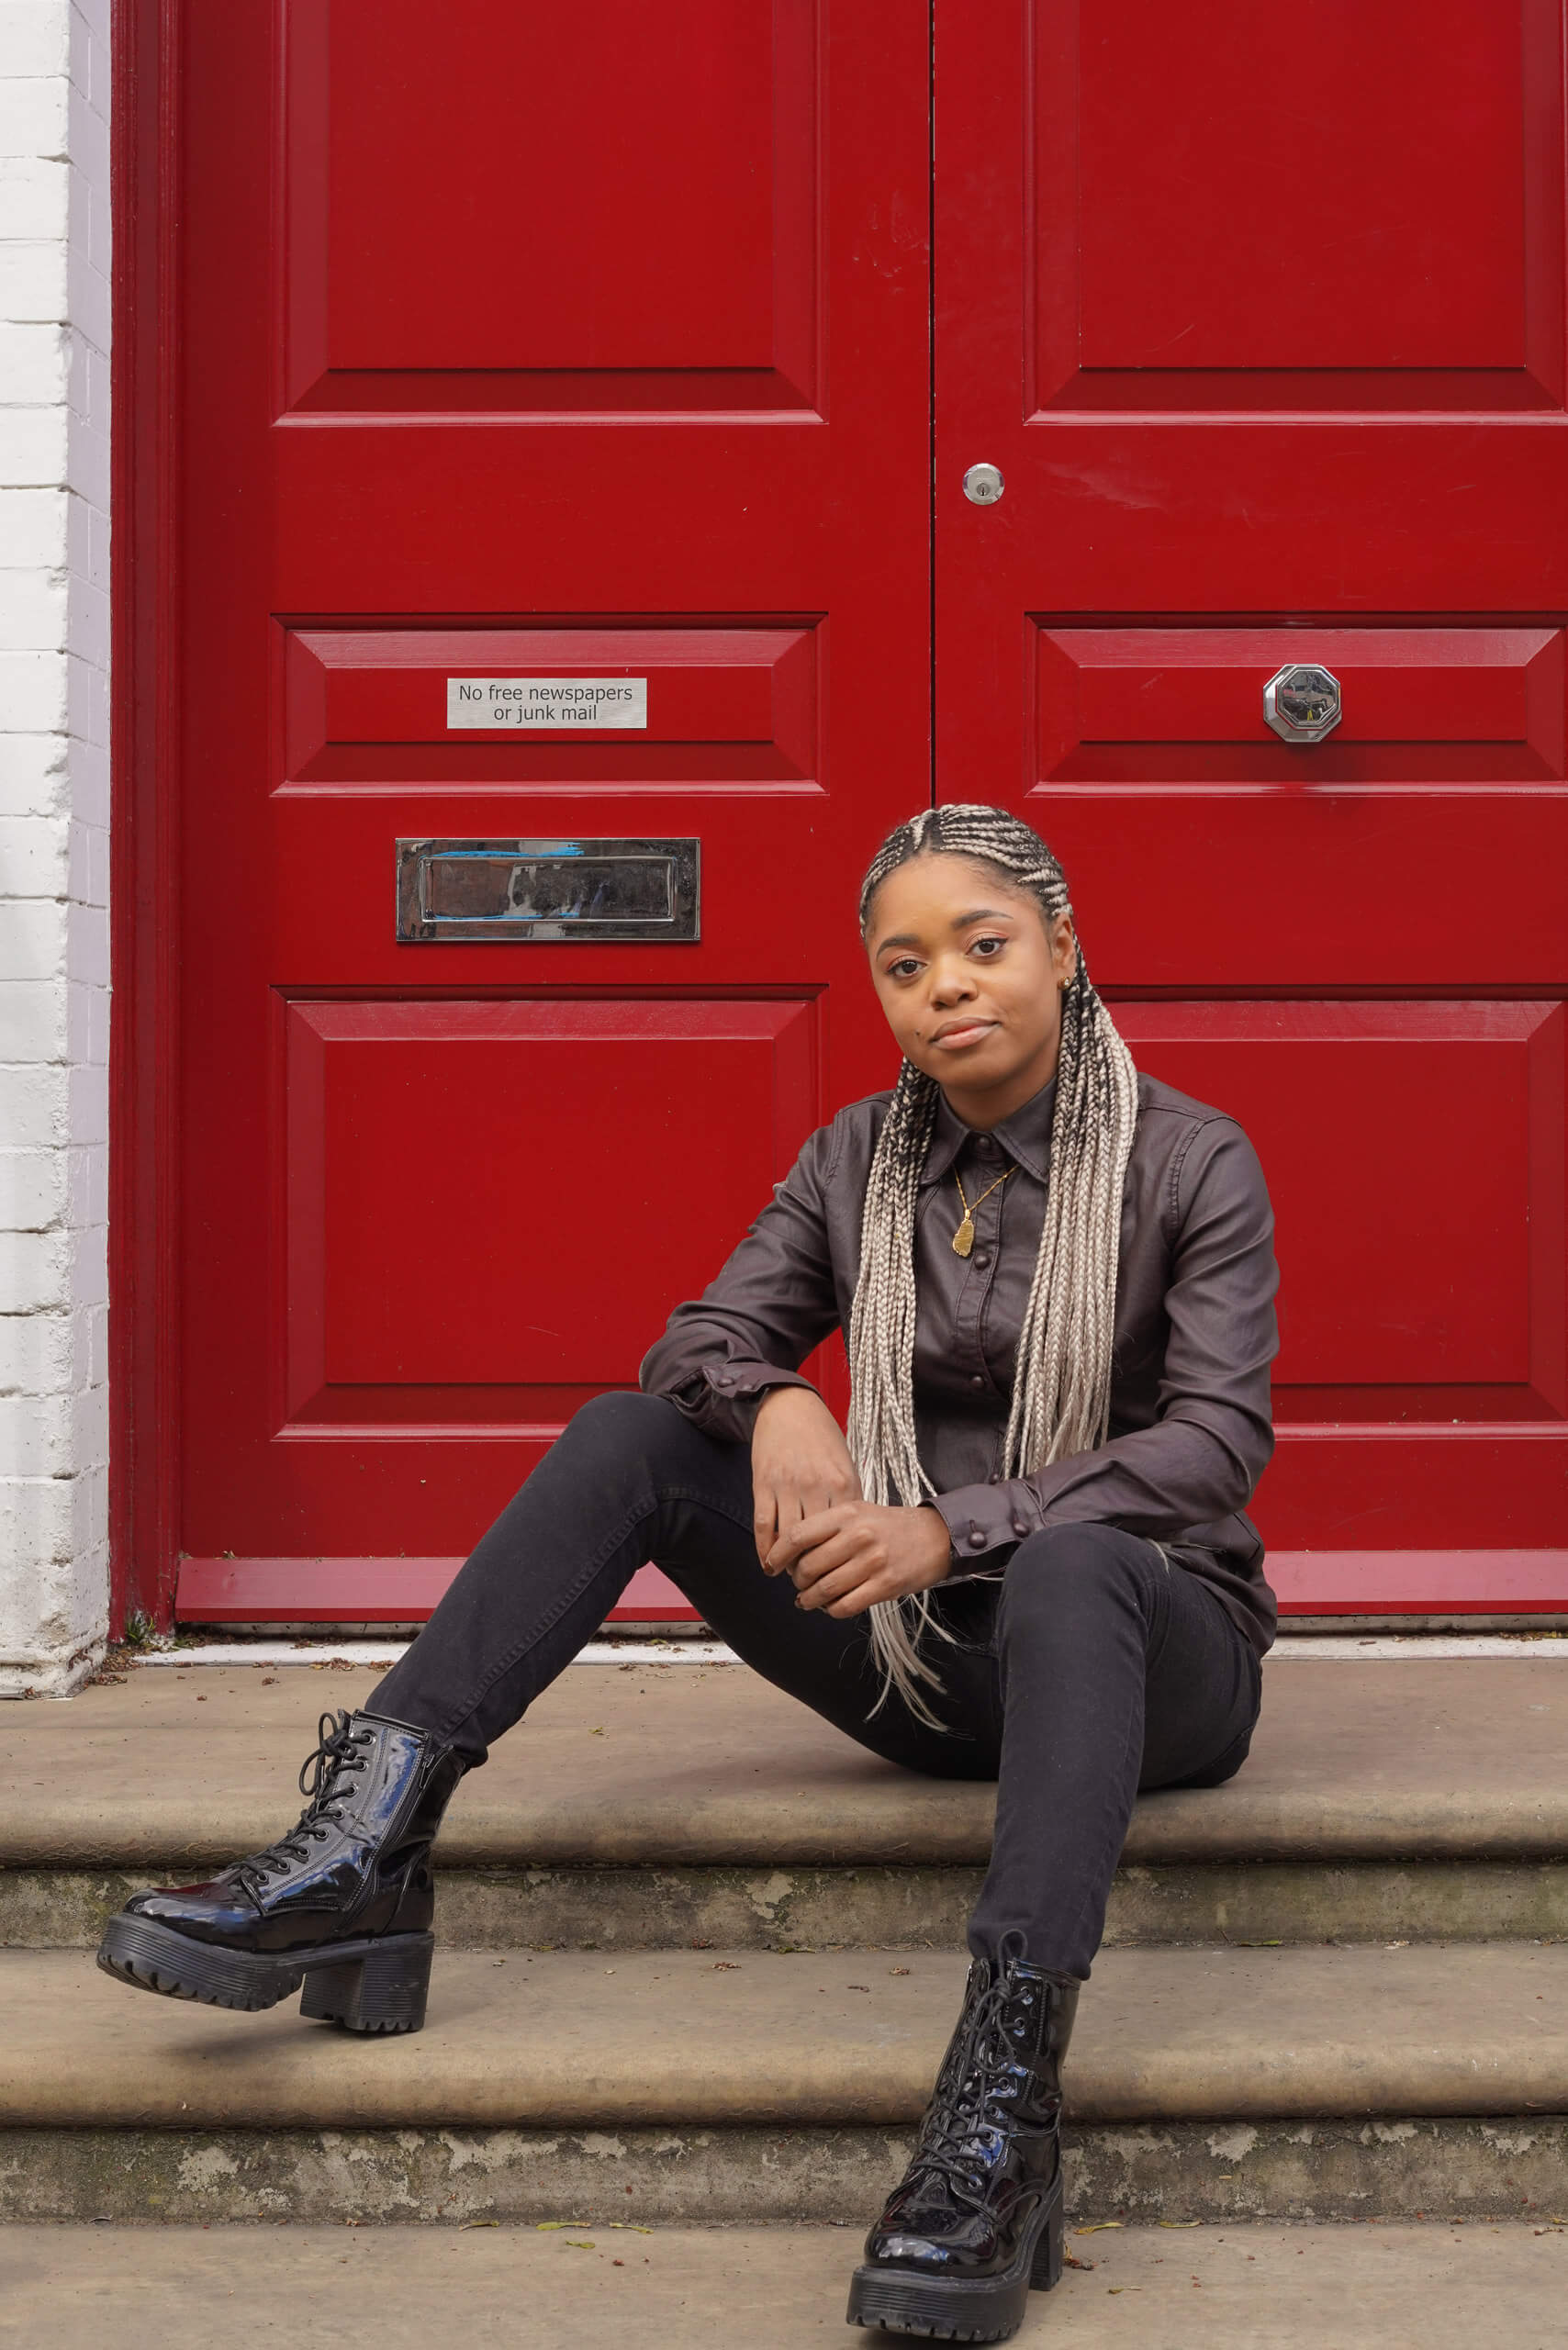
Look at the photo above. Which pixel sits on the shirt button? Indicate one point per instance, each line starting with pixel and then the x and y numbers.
pixel 981 1258
pixel 1019 1529
pixel 986 1148
pixel 977 1379
pixel 976 1540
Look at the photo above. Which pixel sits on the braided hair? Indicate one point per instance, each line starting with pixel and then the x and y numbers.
pixel 1061 1386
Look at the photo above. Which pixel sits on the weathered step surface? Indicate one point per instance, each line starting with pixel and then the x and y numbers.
pixel 656 1804
pixel 1430 2286
pixel 696 2040
pixel 680 1765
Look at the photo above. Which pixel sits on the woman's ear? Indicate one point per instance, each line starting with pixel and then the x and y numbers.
pixel 1064 951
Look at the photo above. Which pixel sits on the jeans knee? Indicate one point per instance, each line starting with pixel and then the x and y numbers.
pixel 621 1426
pixel 1061 1567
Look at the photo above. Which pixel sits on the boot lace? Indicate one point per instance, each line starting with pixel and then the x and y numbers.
pixel 960 2134
pixel 323 1782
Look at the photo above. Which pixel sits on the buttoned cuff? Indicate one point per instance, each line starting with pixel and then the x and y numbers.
pixel 722 1399
pixel 981 1518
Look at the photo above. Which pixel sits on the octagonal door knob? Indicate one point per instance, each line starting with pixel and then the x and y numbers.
pixel 1301 702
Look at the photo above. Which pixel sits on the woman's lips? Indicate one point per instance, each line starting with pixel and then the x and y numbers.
pixel 953 1040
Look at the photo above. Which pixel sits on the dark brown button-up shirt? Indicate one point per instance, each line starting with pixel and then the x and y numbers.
pixel 1196 1334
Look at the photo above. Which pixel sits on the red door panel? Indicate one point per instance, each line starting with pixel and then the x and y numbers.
pixel 1316 208
pixel 1260 315
pixel 519 346
pixel 1151 751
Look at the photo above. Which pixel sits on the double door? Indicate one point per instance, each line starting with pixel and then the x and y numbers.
pixel 629 459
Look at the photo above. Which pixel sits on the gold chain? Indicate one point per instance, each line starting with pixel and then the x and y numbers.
pixel 964 1239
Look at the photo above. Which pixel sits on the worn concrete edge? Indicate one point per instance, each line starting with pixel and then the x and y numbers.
pixel 887 2089
pixel 1503 2167
pixel 859 1830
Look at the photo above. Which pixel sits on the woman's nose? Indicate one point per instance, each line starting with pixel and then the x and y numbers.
pixel 950 983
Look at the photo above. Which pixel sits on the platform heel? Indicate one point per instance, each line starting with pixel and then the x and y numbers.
pixel 343 1904
pixel 979 2217
pixel 1050 2252
pixel 383 1986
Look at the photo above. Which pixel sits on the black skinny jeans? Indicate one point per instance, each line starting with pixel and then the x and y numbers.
pixel 1091 1670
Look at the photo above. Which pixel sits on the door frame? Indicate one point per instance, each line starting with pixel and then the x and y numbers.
pixel 143 1329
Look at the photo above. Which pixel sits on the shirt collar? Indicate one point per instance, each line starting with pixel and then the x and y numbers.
pixel 1026 1136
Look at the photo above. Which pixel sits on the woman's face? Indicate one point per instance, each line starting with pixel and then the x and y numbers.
pixel 969 972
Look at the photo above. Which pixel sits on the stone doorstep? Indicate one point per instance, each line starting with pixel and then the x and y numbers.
pixel 612 1908
pixel 1390 2286
pixel 693 1767
pixel 1179 2172
pixel 693 2040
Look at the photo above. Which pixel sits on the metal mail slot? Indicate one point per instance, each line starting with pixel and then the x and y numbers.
pixel 510 892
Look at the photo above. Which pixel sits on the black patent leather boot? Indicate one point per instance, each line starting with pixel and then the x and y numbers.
pixel 342 1904
pixel 977 2217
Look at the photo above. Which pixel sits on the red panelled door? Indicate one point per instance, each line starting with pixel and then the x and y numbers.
pixel 537 359
pixel 1259 314
pixel 520 345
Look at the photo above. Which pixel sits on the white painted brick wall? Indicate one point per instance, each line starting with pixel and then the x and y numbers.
pixel 54 816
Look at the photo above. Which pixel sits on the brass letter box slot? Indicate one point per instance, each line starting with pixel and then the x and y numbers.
pixel 509 893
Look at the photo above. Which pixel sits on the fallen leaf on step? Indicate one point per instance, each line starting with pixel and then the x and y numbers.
pixel 476 2223
pixel 1178 2223
pixel 1098 2227
pixel 632 2227
pixel 1073 2260
pixel 579 2243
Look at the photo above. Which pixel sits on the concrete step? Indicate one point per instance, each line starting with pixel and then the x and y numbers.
pixel 1430 2286
pixel 645 1805
pixel 1295 2082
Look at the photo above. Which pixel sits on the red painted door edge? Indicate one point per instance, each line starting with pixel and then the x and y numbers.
pixel 1347 1583
pixel 143 1039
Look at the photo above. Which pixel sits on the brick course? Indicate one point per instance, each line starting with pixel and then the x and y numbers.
pixel 54 816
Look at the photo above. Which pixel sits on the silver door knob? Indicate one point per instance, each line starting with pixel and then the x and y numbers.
pixel 983 485
pixel 1301 701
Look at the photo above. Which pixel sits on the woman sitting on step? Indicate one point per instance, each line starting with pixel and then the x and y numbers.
pixel 1028 1563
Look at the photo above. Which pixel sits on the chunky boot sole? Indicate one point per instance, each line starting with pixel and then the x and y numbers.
pixel 371 1986
pixel 979 2308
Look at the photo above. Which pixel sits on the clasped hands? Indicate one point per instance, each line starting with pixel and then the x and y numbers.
pixel 842 1553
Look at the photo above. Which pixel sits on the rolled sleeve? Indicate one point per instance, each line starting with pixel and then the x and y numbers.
pixel 1212 1433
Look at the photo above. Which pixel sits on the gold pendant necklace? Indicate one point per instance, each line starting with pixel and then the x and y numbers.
pixel 964 1239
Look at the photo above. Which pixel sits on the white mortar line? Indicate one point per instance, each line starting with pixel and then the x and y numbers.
pixel 1420 1648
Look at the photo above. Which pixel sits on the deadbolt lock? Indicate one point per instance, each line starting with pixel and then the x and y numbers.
pixel 983 485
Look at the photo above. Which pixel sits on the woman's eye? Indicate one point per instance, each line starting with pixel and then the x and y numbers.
pixel 904 969
pixel 988 947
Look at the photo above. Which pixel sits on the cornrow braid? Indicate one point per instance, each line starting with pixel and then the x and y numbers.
pixel 1061 1385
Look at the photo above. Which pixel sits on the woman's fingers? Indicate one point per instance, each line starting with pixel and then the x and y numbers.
pixel 845 1589
pixel 825 1559
pixel 797 1536
pixel 765 1520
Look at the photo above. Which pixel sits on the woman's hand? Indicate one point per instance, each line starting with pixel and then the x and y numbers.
pixel 799 1464
pixel 844 1560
